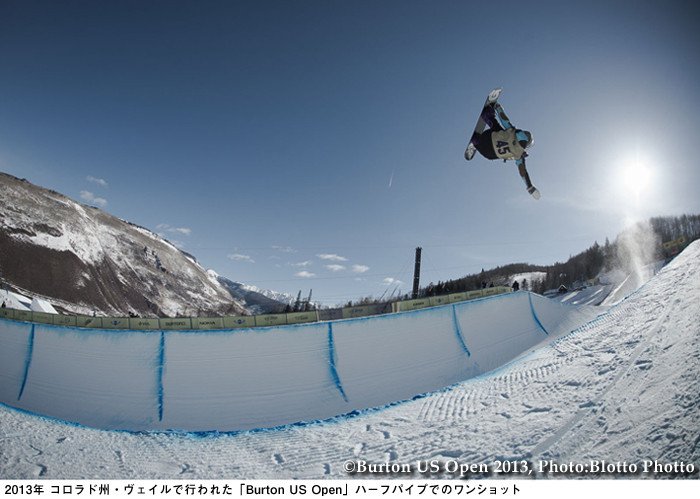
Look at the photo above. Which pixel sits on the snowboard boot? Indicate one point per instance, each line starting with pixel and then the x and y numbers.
pixel 489 116
pixel 502 117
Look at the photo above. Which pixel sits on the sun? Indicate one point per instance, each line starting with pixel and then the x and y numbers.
pixel 635 177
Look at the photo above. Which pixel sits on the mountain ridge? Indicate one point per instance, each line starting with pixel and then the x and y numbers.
pixel 93 262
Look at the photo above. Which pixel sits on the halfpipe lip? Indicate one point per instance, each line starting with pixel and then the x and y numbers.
pixel 500 292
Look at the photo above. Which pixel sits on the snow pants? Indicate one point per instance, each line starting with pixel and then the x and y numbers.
pixel 483 142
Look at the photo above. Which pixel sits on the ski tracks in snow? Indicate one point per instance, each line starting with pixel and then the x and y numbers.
pixel 622 387
pixel 641 395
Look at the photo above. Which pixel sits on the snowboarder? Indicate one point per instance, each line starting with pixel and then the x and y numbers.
pixel 501 140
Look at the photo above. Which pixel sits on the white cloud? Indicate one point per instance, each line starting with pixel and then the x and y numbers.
pixel 305 274
pixel 335 267
pixel 237 257
pixel 390 281
pixel 179 230
pixel 91 198
pixel 307 263
pixel 332 257
pixel 360 269
pixel 99 181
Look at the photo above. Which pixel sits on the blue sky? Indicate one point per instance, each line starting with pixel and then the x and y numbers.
pixel 298 145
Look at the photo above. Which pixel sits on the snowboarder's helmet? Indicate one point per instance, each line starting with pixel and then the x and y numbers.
pixel 524 138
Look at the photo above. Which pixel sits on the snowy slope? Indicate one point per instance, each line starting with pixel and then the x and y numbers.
pixel 256 300
pixel 631 282
pixel 623 387
pixel 591 295
pixel 85 260
pixel 613 287
pixel 285 298
pixel 15 300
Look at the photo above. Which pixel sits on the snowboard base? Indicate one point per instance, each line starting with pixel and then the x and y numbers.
pixel 480 123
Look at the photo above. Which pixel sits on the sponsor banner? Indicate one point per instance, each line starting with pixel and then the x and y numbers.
pixel 115 322
pixel 301 317
pixel 143 323
pixel 439 300
pixel 270 320
pixel 238 321
pixel 412 304
pixel 207 323
pixel 457 297
pixel 65 320
pixel 365 310
pixel 88 321
pixel 176 323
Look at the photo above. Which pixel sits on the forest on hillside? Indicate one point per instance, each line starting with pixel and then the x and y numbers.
pixel 642 243
pixel 656 239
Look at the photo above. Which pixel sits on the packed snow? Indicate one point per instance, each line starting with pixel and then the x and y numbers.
pixel 242 379
pixel 620 388
pixel 15 300
pixel 18 301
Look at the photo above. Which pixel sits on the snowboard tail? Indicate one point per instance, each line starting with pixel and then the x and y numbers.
pixel 480 123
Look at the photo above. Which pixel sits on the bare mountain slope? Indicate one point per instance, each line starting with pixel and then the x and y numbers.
pixel 86 260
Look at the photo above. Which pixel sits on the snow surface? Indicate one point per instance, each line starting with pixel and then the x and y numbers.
pixel 20 302
pixel 260 378
pixel 15 300
pixel 620 388
pixel 39 305
pixel 632 282
pixel 614 286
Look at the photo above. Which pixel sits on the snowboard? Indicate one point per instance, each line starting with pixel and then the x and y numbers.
pixel 481 124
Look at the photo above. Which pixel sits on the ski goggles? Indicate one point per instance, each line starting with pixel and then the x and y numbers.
pixel 524 138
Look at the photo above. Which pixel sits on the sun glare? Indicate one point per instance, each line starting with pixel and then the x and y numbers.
pixel 635 177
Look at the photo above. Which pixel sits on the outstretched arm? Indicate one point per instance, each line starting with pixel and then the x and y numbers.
pixel 526 178
pixel 523 171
